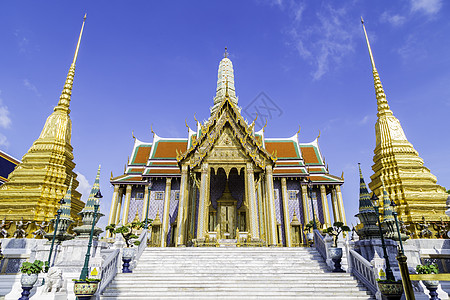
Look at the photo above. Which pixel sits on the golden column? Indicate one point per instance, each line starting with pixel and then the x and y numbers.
pixel 305 204
pixel 165 224
pixel 203 204
pixel 261 211
pixel 112 212
pixel 119 206
pixel 182 206
pixel 334 202
pixel 146 202
pixel 287 227
pixel 126 206
pixel 325 209
pixel 340 203
pixel 271 207
pixel 252 201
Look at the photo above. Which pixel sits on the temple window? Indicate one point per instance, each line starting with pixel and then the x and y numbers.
pixel 140 195
pixel 292 195
pixel 159 195
pixel 177 195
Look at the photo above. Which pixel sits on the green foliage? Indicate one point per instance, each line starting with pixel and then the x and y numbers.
pixel 35 267
pixel 335 230
pixel 310 225
pixel 127 232
pixel 448 191
pixel 427 269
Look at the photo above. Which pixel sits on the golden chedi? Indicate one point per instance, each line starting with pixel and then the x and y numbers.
pixel 407 181
pixel 37 184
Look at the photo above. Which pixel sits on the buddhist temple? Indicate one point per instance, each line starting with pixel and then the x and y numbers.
pixel 41 180
pixel 396 163
pixel 226 182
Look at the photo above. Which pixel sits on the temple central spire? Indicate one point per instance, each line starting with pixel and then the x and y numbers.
pixel 225 83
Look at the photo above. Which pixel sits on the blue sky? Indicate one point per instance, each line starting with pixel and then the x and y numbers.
pixel 155 62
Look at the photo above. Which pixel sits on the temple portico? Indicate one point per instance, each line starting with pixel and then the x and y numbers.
pixel 227 182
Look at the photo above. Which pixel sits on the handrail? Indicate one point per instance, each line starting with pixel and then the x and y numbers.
pixel 363 270
pixel 143 244
pixel 319 244
pixel 109 269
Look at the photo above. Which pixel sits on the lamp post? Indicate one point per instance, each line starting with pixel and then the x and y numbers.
pixel 389 274
pixel 401 257
pixel 58 215
pixel 312 204
pixel 85 270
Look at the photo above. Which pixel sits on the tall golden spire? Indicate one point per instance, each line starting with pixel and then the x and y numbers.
pixel 64 99
pixel 383 106
pixel 42 179
pixel 396 163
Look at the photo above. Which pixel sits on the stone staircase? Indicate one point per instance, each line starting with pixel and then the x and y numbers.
pixel 233 273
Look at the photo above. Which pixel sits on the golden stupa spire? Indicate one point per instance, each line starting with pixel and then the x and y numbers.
pixel 398 167
pixel 36 186
pixel 64 99
pixel 383 106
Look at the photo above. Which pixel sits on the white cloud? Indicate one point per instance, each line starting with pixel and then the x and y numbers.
pixel 325 43
pixel 84 188
pixel 429 7
pixel 395 19
pixel 5 120
pixel 412 49
pixel 3 141
pixel 31 87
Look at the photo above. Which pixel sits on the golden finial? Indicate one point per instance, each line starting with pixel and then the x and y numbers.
pixel 185 123
pixel 226 53
pixel 342 175
pixel 256 118
pixel 368 44
pixel 64 99
pixel 383 106
pixel 79 41
pixel 112 176
pixel 151 130
pixel 195 119
pixel 299 128
pixel 318 135
pixel 264 126
pixel 132 134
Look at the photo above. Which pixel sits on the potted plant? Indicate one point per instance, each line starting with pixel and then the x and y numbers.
pixel 309 234
pixel 29 277
pixel 391 290
pixel 84 289
pixel 335 252
pixel 431 285
pixel 127 232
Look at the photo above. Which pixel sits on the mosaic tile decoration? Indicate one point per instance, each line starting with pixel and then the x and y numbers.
pixel 279 207
pixel 136 205
pixel 294 204
pixel 155 205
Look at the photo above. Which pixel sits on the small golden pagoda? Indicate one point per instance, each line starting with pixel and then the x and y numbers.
pixel 407 181
pixel 37 184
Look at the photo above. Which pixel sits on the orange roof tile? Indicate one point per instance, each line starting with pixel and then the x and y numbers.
pixel 284 149
pixel 287 171
pixel 142 154
pixel 135 170
pixel 163 171
pixel 287 163
pixel 309 155
pixel 157 163
pixel 167 149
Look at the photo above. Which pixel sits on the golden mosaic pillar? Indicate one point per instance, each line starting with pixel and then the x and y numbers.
pixel 271 207
pixel 325 209
pixel 253 211
pixel 182 206
pixel 146 202
pixel 287 227
pixel 165 224
pixel 305 204
pixel 126 206
pixel 203 201
pixel 112 211
pixel 340 204
pixel 119 206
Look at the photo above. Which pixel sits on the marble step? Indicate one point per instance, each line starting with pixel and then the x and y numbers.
pixel 247 297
